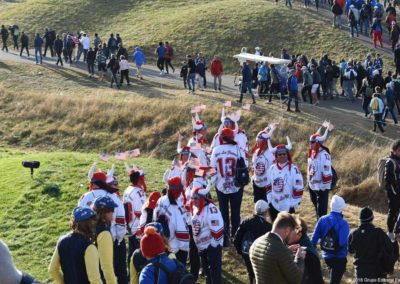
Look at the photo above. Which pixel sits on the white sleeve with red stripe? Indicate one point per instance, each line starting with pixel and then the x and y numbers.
pixel 298 186
pixel 326 170
pixel 268 187
pixel 242 141
pixel 118 226
pixel 216 225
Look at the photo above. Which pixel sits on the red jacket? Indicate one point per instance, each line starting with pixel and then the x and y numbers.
pixel 216 67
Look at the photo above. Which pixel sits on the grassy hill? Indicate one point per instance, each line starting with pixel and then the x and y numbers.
pixel 214 27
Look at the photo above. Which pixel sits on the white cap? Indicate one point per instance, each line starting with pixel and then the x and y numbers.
pixel 261 207
pixel 337 204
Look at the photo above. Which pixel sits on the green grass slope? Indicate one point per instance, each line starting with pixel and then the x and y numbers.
pixel 214 27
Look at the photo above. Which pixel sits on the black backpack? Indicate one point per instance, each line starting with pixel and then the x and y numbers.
pixel 388 252
pixel 242 176
pixel 334 178
pixel 178 276
pixel 330 242
pixel 247 241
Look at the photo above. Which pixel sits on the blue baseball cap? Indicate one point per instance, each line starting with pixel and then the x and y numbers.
pixel 104 202
pixel 156 225
pixel 82 213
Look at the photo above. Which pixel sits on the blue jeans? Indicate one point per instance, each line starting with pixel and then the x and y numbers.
pixel 352 29
pixel 288 3
pixel 306 3
pixel 364 23
pixel 190 81
pixel 391 110
pixel 246 86
pixel 38 50
pixel 336 267
pixel 235 201
pixel 79 53
pixel 211 260
pixel 114 79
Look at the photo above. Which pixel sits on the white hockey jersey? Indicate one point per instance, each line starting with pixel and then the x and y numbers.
pixel 134 198
pixel 208 227
pixel 260 165
pixel 224 158
pixel 240 139
pixel 176 216
pixel 319 171
pixel 118 226
pixel 200 153
pixel 285 187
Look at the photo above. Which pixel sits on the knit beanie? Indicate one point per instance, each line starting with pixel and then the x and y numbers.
pixel 337 204
pixel 151 243
pixel 366 215
pixel 261 207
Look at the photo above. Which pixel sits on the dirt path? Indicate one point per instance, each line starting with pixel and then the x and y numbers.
pixel 347 116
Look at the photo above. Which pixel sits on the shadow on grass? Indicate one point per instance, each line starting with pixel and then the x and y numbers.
pixel 4 66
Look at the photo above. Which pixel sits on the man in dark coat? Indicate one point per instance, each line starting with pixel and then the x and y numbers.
pixel 4 37
pixel 249 230
pixel 24 43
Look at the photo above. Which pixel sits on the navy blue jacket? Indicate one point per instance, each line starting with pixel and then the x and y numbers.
pixel 246 74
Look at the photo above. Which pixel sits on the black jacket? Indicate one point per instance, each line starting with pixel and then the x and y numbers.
pixel 113 65
pixel 365 244
pixel 91 56
pixel 256 224
pixel 122 51
pixel 58 45
pixel 192 66
pixel 392 175
pixel 24 40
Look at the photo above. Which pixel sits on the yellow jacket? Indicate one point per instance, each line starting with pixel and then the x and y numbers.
pixel 105 247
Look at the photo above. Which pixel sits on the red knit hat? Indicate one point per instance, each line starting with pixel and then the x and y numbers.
pixel 151 243
pixel 175 183
pixel 228 133
pixel 153 198
pixel 99 176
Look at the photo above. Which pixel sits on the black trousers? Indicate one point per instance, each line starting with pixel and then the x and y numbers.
pixel 59 58
pixel 49 46
pixel 168 63
pixel 194 257
pixel 259 193
pixel 4 44
pixel 393 210
pixel 124 74
pixel 120 267
pixel 15 39
pixel 160 63
pixel 133 244
pixel 336 267
pixel 249 267
pixel 378 122
pixel 91 67
pixel 22 49
pixel 304 90
pixel 320 200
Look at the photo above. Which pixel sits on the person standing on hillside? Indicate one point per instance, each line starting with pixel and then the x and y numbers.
pixel 369 244
pixel 4 37
pixel 284 188
pixel 169 54
pixel 270 257
pixel 139 59
pixel 124 70
pixel 217 71
pixel 348 81
pixel 377 106
pixel 333 242
pixel 96 42
pixel 376 32
pixel 160 52
pixel 249 230
pixel 392 180
pixel 58 48
pixel 201 73
pixel 122 51
pixel 223 159
pixel 246 82
pixel 319 173
pixel 112 44
pixel 69 48
pixel 24 43
pixel 38 42
pixel 14 29
pixel 76 259
pixel 353 16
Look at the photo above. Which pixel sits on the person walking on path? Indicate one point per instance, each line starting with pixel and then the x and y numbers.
pixel 24 43
pixel 38 42
pixel 377 108
pixel 376 32
pixel 49 36
pixel 113 65
pixel 4 37
pixel 139 59
pixel 169 54
pixel 160 52
pixel 191 74
pixel 124 70
pixel 58 48
pixel 333 231
pixel 90 59
pixel 217 71
pixel 354 17
pixel 293 89
pixel 101 62
pixel 246 82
